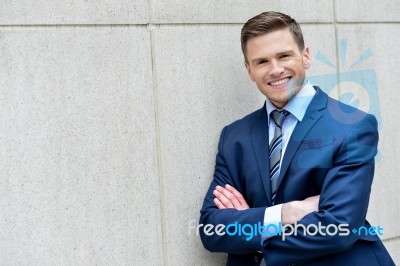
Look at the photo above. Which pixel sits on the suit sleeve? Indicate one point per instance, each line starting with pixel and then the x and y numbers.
pixel 344 200
pixel 210 214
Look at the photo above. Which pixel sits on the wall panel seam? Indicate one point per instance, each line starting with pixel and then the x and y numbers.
pixel 181 25
pixel 157 131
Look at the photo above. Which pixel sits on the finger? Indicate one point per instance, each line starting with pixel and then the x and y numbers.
pixel 221 197
pixel 231 197
pixel 238 195
pixel 219 204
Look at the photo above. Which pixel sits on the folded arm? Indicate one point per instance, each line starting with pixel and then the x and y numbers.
pixel 344 201
pixel 229 197
pixel 224 205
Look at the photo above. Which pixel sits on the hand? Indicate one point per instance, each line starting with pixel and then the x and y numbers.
pixel 229 197
pixel 295 210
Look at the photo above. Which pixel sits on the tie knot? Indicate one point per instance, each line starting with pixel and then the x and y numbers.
pixel 279 116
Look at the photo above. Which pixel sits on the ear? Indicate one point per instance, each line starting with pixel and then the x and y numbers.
pixel 306 58
pixel 249 71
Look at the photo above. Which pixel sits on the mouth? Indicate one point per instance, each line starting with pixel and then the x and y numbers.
pixel 279 83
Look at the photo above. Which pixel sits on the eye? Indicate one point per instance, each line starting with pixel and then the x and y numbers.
pixel 262 62
pixel 284 56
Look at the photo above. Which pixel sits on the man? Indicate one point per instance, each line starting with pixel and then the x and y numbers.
pixel 303 159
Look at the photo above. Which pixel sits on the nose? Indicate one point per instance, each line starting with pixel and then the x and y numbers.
pixel 276 68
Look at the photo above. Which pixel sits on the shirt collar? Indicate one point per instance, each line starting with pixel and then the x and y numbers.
pixel 298 105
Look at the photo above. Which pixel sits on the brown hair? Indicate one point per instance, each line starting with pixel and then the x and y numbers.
pixel 268 22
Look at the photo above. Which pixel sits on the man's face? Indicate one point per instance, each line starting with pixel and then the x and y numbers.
pixel 277 65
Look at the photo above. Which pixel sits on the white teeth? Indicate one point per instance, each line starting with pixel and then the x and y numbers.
pixel 279 82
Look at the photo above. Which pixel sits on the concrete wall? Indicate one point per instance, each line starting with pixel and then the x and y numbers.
pixel 110 113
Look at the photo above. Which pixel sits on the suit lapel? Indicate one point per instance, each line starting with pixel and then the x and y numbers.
pixel 259 141
pixel 312 115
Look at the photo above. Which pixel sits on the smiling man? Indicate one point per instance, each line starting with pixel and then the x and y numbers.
pixel 303 160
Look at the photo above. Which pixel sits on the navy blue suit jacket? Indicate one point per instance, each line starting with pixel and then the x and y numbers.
pixel 331 152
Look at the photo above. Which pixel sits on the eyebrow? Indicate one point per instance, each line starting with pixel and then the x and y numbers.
pixel 285 52
pixel 278 54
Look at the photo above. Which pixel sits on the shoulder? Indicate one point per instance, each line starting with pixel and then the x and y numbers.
pixel 340 115
pixel 245 123
pixel 348 115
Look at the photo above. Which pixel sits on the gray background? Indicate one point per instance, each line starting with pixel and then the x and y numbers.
pixel 110 113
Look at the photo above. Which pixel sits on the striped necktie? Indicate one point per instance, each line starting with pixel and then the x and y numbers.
pixel 275 150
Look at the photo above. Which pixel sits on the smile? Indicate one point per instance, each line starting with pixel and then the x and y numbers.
pixel 279 82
